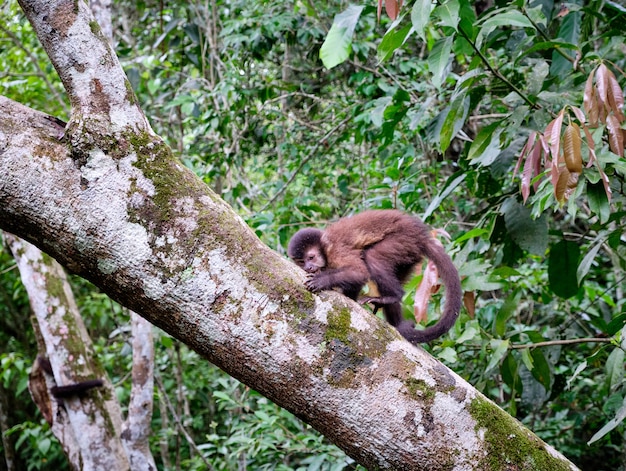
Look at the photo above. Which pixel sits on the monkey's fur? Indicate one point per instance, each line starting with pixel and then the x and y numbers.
pixel 383 246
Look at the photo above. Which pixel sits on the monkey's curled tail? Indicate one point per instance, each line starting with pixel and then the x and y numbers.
pixel 454 297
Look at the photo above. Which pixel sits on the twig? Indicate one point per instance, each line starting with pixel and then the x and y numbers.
pixel 550 343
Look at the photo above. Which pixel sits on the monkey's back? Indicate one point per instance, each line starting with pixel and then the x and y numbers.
pixel 405 237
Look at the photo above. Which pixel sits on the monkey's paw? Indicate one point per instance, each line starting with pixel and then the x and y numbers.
pixel 313 283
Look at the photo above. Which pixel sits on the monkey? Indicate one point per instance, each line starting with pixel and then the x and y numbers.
pixel 383 246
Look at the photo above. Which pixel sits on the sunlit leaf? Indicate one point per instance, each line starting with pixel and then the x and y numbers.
pixel 451 184
pixel 585 264
pixel 452 124
pixel 392 40
pixel 579 369
pixel 420 15
pixel 499 347
pixel 486 146
pixel 562 266
pixel 338 43
pixel 448 13
pixel 439 58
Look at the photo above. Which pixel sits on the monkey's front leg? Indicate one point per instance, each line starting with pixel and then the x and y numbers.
pixel 349 281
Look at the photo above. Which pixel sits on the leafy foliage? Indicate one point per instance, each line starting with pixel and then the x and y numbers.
pixel 500 121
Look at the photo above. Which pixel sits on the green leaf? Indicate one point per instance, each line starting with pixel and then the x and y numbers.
pixel 439 58
pixel 469 332
pixel 499 347
pixel 452 124
pixel 391 41
pixel 420 14
pixel 44 445
pixel 454 181
pixel 530 234
pixel 508 309
pixel 598 202
pixel 562 266
pixel 546 45
pixel 509 372
pixel 506 19
pixel 615 368
pixel 448 354
pixel 527 359
pixel 579 369
pixel 569 32
pixel 541 368
pixel 587 261
pixel 376 113
pixel 611 424
pixel 338 43
pixel 448 13
pixel 486 146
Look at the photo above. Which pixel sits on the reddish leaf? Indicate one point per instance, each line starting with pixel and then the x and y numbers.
pixel 531 168
pixel 615 96
pixel 566 184
pixel 590 101
pixel 602 90
pixel 469 301
pixel 525 150
pixel 553 133
pixel 380 8
pixel 616 137
pixel 572 149
pixel 561 184
pixel 546 150
pixel 428 286
pixel 392 7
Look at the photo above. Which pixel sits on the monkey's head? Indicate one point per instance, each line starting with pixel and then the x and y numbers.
pixel 305 248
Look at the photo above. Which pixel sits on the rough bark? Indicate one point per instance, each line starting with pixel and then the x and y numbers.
pixel 88 424
pixel 112 204
pixel 137 429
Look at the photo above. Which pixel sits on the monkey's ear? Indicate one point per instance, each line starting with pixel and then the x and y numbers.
pixel 302 240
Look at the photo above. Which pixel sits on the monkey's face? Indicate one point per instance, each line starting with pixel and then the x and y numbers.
pixel 313 260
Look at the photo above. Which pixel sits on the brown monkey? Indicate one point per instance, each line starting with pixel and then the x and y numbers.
pixel 383 246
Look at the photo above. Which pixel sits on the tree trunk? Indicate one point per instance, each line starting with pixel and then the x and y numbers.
pixel 111 203
pixel 76 419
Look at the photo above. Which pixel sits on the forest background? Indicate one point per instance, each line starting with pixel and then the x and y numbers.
pixel 500 123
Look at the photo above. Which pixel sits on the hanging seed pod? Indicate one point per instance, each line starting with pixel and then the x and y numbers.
pixel 571 148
